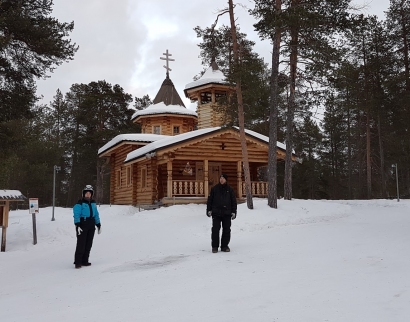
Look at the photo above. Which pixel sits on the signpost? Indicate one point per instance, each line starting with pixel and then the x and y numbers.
pixel 33 208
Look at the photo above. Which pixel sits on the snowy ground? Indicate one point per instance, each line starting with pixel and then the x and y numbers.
pixel 308 261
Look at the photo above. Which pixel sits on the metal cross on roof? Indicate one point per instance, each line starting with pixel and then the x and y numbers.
pixel 168 60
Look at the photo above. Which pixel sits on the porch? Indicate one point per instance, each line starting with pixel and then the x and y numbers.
pixel 192 191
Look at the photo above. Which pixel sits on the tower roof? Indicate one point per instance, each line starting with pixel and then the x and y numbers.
pixel 167 94
pixel 162 109
pixel 211 76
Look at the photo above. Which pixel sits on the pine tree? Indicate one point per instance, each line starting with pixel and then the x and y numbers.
pixel 306 29
pixel 32 43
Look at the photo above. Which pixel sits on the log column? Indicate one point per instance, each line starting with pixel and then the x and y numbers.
pixel 169 179
pixel 239 178
pixel 206 179
pixel 5 223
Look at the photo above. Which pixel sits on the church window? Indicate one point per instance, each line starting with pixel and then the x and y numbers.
pixel 156 129
pixel 176 130
pixel 144 177
pixel 118 179
pixel 129 175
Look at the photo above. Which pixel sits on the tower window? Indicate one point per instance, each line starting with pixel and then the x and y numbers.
pixel 220 96
pixel 176 130
pixel 206 97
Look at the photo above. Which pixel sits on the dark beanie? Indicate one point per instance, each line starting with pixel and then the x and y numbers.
pixel 223 175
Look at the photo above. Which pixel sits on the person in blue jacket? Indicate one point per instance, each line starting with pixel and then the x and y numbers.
pixel 86 218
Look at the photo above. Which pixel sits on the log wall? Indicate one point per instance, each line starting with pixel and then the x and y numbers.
pixel 121 193
pixel 167 123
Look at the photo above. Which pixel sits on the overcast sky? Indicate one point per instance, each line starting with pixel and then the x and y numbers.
pixel 121 41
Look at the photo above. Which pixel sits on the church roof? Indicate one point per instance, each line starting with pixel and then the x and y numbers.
pixel 143 138
pixel 211 76
pixel 167 94
pixel 171 140
pixel 161 108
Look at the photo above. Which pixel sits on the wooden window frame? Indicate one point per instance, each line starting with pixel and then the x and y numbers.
pixel 173 129
pixel 118 179
pixel 144 177
pixel 128 171
pixel 153 129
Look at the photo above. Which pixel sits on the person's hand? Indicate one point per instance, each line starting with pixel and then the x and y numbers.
pixel 209 213
pixel 233 215
pixel 99 228
pixel 78 229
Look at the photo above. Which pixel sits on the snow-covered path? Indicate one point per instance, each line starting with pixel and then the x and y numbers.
pixel 307 261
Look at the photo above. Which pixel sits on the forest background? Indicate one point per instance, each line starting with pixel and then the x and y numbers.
pixel 346 99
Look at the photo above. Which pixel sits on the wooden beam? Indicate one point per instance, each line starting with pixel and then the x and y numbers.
pixel 169 179
pixel 5 223
pixel 206 179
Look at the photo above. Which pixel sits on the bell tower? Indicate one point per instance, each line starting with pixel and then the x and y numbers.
pixel 207 91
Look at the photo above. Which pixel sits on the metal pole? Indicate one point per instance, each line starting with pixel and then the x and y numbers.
pixel 34 228
pixel 397 183
pixel 54 191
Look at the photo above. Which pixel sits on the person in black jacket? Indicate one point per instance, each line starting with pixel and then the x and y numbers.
pixel 221 206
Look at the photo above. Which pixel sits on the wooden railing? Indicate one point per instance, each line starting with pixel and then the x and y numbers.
pixel 188 188
pixel 258 188
pixel 196 188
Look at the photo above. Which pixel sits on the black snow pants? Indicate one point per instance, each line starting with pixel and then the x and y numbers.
pixel 84 241
pixel 226 230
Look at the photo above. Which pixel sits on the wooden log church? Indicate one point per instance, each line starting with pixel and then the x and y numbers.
pixel 180 153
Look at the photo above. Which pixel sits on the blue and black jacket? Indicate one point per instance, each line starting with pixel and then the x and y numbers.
pixel 85 209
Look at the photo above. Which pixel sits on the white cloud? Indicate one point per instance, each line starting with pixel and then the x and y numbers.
pixel 121 42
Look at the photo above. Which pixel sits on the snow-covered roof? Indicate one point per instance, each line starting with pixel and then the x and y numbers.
pixel 137 137
pixel 161 108
pixel 170 140
pixel 11 195
pixel 262 138
pixel 210 76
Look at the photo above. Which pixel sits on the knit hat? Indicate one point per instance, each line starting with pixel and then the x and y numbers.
pixel 88 188
pixel 223 175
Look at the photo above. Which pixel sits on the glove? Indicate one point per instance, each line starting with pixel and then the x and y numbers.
pixel 78 229
pixel 99 228
pixel 209 213
pixel 233 215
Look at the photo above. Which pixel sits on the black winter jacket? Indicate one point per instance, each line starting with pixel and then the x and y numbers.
pixel 221 200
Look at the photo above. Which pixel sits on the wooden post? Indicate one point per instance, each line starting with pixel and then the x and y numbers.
pixel 239 177
pixel 169 179
pixel 3 238
pixel 5 223
pixel 206 180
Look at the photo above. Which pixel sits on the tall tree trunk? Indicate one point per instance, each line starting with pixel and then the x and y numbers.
pixel 240 110
pixel 381 151
pixel 368 157
pixel 72 178
pixel 273 117
pixel 405 44
pixel 291 110
pixel 367 109
pixel 349 149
